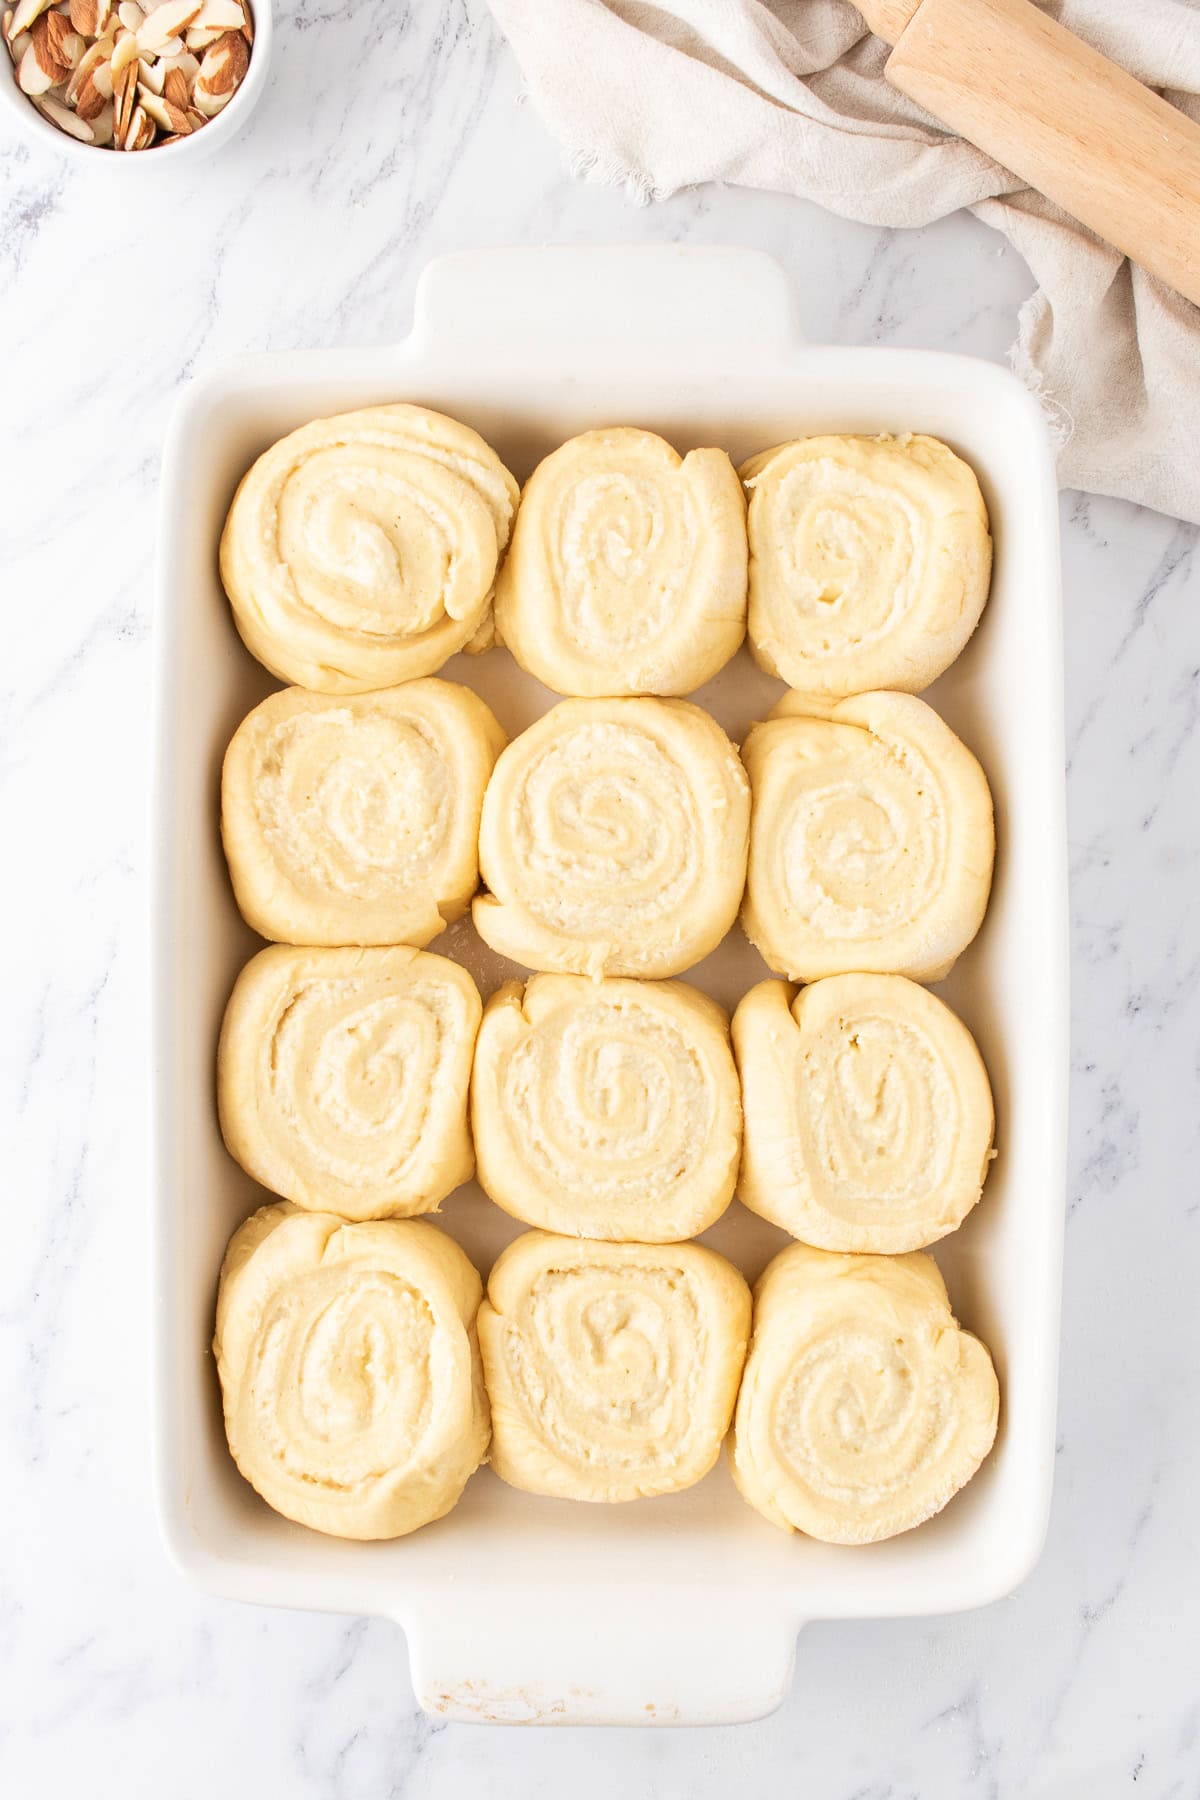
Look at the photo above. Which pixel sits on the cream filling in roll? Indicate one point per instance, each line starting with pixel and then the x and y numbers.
pixel 869 562
pixel 361 550
pixel 611 1368
pixel 872 839
pixel 868 1112
pixel 342 1077
pixel 865 1406
pixel 613 839
pixel 627 572
pixel 354 821
pixel 349 1370
pixel 606 1109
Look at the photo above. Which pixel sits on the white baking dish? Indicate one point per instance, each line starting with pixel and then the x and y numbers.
pixel 683 1609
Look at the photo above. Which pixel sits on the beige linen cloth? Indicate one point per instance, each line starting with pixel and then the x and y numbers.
pixel 791 96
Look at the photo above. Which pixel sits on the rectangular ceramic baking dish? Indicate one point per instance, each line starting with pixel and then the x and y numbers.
pixel 681 1609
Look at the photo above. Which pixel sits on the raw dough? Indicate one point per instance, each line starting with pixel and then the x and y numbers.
pixel 613 839
pixel 627 572
pixel 611 1368
pixel 868 1112
pixel 872 840
pixel 361 551
pixel 342 1077
pixel 606 1109
pixel 869 562
pixel 355 820
pixel 350 1370
pixel 865 1406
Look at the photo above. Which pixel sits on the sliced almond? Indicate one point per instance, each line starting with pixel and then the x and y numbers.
pixel 65 119
pixel 170 119
pixel 153 106
pixel 124 99
pixel 19 46
pixel 49 61
pixel 122 115
pixel 199 37
pixel 89 102
pixel 58 30
pixel 88 63
pixel 208 103
pixel 102 127
pixel 85 17
pixel 125 53
pixel 141 133
pixel 165 22
pixel 176 89
pixel 248 29
pixel 151 75
pixel 130 14
pixel 220 15
pixel 222 67
pixel 32 79
pixel 6 25
pixel 25 12
pixel 125 105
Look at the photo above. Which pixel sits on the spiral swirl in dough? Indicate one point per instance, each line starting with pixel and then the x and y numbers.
pixel 342 1077
pixel 870 561
pixel 361 551
pixel 865 1406
pixel 627 572
pixel 350 1370
pixel 613 839
pixel 606 1109
pixel 868 1112
pixel 355 821
pixel 612 1369
pixel 872 840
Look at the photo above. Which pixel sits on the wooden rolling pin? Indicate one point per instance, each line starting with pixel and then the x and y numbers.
pixel 1058 114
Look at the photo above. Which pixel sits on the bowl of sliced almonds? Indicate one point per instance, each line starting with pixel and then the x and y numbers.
pixel 173 77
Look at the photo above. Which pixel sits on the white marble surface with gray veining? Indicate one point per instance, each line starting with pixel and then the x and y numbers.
pixel 391 132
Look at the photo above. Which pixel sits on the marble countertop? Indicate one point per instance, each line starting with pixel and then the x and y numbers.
pixel 390 134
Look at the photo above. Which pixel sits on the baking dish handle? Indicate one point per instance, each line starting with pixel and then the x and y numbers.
pixel 670 301
pixel 517 1665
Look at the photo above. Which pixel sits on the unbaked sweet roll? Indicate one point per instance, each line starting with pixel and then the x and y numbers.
pixel 355 821
pixel 865 1406
pixel 612 1369
pixel 361 551
pixel 872 840
pixel 350 1370
pixel 613 839
pixel 869 562
pixel 342 1077
pixel 627 572
pixel 868 1112
pixel 606 1109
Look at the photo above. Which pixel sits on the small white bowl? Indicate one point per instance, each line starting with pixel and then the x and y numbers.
pixel 227 123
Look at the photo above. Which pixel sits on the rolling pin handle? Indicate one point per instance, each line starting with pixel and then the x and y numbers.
pixel 888 18
pixel 1065 119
